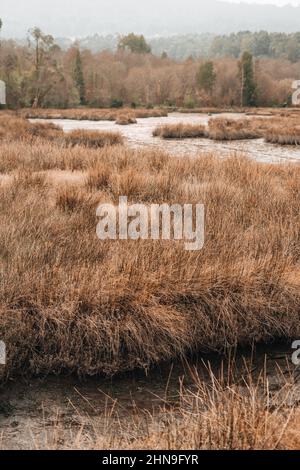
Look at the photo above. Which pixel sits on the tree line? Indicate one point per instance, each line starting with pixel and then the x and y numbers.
pixel 40 73
pixel 207 45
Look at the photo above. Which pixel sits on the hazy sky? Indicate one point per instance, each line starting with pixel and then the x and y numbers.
pixel 270 2
pixel 77 18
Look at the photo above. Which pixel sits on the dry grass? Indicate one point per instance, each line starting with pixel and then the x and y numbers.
pixel 93 139
pixel 217 413
pixel 91 114
pixel 180 131
pixel 283 130
pixel 218 416
pixel 69 302
pixel 231 129
pixel 285 133
pixel 282 112
pixel 126 119
pixel 218 129
pixel 14 129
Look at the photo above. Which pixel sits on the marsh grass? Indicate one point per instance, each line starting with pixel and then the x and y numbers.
pixel 180 131
pixel 126 119
pixel 231 129
pixel 94 139
pixel 219 128
pixel 284 134
pixel 69 302
pixel 86 114
pixel 19 129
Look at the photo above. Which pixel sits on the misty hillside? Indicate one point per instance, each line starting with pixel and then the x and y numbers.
pixel 158 17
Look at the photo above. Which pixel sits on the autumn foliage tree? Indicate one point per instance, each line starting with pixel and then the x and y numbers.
pixel 43 74
pixel 41 77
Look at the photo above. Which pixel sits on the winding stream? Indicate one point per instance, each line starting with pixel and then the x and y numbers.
pixel 140 135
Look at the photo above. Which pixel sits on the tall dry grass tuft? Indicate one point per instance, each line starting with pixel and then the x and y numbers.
pixel 231 129
pixel 94 139
pixel 126 119
pixel 284 134
pixel 69 302
pixel 283 130
pixel 213 413
pixel 15 128
pixel 180 131
pixel 12 128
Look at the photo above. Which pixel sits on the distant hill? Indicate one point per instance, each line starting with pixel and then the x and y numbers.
pixel 77 18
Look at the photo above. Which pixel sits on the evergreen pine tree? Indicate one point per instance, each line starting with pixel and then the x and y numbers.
pixel 79 77
pixel 248 84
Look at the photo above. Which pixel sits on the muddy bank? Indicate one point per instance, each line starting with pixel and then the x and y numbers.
pixel 56 411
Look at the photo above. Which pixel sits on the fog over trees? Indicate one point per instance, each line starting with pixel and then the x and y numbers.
pixel 158 17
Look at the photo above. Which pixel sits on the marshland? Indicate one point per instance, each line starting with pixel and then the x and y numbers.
pixel 104 312
pixel 141 344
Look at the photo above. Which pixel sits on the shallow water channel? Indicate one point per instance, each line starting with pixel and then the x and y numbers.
pixel 54 411
pixel 140 135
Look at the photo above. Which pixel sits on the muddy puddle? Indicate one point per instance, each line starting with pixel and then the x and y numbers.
pixel 140 135
pixel 56 411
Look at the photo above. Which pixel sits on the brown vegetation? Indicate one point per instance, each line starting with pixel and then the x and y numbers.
pixel 231 129
pixel 283 129
pixel 14 128
pixel 285 133
pixel 180 131
pixel 218 412
pixel 125 120
pixel 70 302
pixel 221 128
pixel 109 79
pixel 94 139
pixel 85 114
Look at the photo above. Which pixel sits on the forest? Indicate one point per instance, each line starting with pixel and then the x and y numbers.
pixel 42 73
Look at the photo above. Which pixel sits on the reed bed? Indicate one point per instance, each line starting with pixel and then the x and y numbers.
pixel 231 129
pixel 89 114
pixel 180 131
pixel 93 139
pixel 219 129
pixel 14 129
pixel 283 130
pixel 284 134
pixel 70 302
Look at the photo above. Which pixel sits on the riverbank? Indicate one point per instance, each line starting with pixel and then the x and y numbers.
pixel 248 400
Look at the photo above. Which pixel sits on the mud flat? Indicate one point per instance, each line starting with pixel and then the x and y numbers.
pixel 65 412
